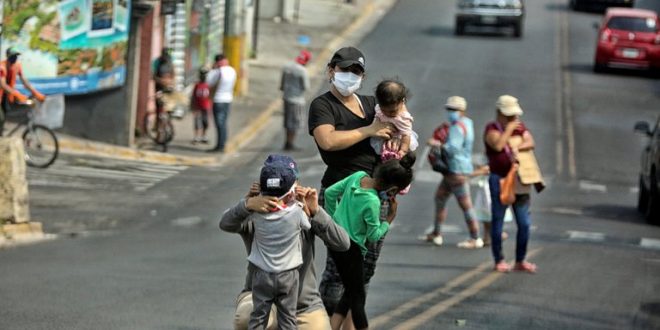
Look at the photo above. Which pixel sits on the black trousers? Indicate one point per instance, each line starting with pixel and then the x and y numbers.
pixel 4 108
pixel 350 267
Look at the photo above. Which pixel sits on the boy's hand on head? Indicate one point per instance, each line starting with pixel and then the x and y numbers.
pixel 261 204
pixel 300 193
pixel 300 196
pixel 312 201
pixel 255 190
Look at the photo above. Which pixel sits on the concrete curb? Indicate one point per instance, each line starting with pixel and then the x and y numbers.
pixel 21 234
pixel 246 134
pixel 84 147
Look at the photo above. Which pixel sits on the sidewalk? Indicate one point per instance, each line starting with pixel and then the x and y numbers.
pixel 330 24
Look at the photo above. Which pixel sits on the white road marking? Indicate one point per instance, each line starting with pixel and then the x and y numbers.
pixel 585 236
pixel 138 175
pixel 187 222
pixel 563 210
pixel 650 243
pixel 592 186
pixel 447 229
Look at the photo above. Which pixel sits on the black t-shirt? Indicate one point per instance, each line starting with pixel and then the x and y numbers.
pixel 327 109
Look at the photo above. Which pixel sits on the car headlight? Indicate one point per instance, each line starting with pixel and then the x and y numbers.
pixel 517 4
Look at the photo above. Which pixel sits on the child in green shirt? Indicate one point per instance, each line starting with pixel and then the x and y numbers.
pixel 354 204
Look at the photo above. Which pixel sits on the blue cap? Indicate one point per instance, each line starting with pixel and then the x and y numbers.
pixel 282 160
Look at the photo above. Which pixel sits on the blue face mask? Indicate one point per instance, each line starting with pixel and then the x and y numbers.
pixel 383 195
pixel 453 116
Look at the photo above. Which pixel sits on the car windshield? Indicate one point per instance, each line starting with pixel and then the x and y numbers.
pixel 636 24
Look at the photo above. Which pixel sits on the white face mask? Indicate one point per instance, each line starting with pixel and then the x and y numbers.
pixel 346 83
pixel 293 189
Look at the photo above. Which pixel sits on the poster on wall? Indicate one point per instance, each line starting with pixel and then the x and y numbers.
pixel 69 46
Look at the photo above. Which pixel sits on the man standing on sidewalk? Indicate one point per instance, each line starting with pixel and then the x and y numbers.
pixel 295 81
pixel 222 80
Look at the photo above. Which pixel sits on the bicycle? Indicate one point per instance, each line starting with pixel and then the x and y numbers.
pixel 40 143
pixel 158 125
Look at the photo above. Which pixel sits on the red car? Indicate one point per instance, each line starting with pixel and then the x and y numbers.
pixel 628 38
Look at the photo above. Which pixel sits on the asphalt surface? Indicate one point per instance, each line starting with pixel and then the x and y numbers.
pixel 144 253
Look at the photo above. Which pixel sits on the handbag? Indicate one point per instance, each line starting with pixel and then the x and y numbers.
pixel 508 186
pixel 438 157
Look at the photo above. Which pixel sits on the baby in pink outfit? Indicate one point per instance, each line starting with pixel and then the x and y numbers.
pixel 391 108
pixel 391 96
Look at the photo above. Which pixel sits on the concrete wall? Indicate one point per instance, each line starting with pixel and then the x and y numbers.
pixel 14 197
pixel 100 116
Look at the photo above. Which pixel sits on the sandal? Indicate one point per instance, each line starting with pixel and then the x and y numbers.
pixel 502 267
pixel 525 266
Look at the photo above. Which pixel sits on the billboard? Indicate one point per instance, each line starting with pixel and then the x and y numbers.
pixel 69 46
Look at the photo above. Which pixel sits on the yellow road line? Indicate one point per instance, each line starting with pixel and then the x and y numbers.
pixel 443 305
pixel 401 310
pixel 559 98
pixel 568 115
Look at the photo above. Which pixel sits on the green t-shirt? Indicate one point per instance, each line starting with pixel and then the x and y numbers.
pixel 356 209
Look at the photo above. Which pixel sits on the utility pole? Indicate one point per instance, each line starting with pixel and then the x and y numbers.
pixel 255 30
pixel 234 41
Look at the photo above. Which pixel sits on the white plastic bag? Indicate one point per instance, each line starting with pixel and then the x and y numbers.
pixel 51 112
pixel 482 203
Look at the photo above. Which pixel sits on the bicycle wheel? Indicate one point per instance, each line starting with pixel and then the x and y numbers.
pixel 41 146
pixel 150 128
pixel 165 132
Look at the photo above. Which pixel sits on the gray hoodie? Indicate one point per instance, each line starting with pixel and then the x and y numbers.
pixel 276 244
pixel 236 220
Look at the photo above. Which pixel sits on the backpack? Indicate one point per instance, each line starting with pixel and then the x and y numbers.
pixel 438 156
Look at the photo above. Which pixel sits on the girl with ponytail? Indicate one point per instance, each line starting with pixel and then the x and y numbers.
pixel 354 204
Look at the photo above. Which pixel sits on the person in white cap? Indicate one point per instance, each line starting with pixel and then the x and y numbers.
pixel 501 157
pixel 458 146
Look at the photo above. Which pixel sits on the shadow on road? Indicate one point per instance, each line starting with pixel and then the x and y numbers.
pixel 470 32
pixel 588 68
pixel 440 31
pixel 614 212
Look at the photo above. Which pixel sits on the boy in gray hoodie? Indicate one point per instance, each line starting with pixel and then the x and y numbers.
pixel 276 249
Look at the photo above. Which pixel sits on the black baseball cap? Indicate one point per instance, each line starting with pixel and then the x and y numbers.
pixel 276 179
pixel 347 56
pixel 282 160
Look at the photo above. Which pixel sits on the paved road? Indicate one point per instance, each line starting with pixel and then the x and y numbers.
pixel 164 265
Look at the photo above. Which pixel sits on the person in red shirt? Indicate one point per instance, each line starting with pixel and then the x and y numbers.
pixel 10 69
pixel 501 157
pixel 200 105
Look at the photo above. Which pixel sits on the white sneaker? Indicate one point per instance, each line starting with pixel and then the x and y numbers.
pixel 471 244
pixel 431 238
